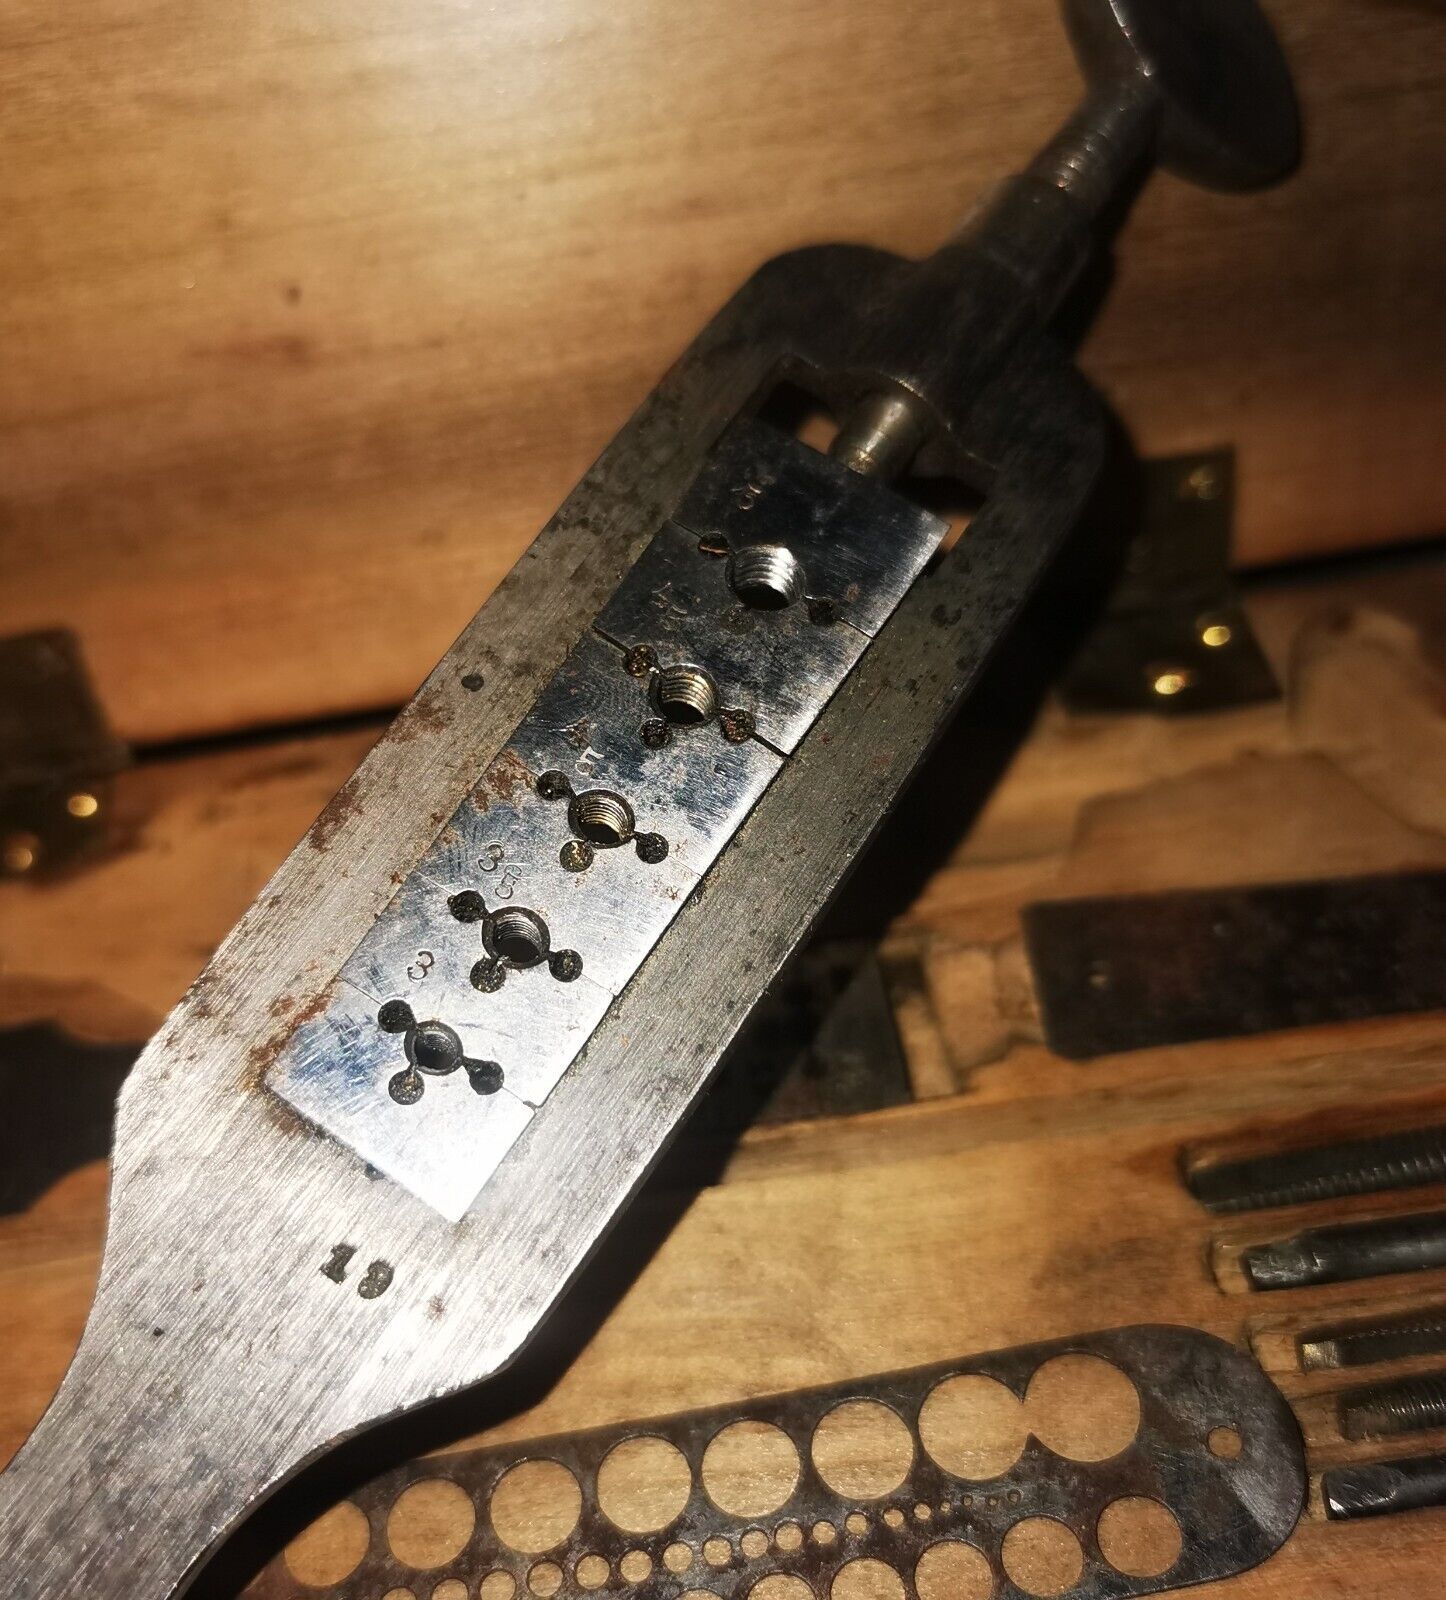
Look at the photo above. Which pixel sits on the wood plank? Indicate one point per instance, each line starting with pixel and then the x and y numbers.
pixel 311 318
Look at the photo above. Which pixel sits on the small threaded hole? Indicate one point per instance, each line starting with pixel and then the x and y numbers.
pixel 602 818
pixel 766 577
pixel 686 695
pixel 517 936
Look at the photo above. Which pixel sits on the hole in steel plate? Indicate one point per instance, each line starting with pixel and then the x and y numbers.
pixel 862 1449
pixel 780 1586
pixel 753 1543
pixel 1225 1443
pixel 643 1484
pixel 1082 1407
pixel 856 1523
pixel 788 1536
pixel 717 1552
pixel 535 1506
pixel 331 1549
pixel 450 1589
pixel 497 1586
pixel 399 1594
pixel 750 1468
pixel 602 818
pixel 894 1517
pixel 973 1426
pixel 591 1571
pixel 1139 1537
pixel 635 1565
pixel 517 936
pixel 866 1579
pixel 545 1579
pixel 686 695
pixel 678 1557
pixel 430 1523
pixel 766 577
pixel 824 1533
pixel 953 1570
pixel 1041 1556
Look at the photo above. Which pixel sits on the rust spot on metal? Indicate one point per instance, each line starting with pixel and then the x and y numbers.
pixel 504 780
pixel 345 804
pixel 428 713
pixel 282 1004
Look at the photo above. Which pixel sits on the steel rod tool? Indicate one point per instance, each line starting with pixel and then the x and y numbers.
pixel 367 1152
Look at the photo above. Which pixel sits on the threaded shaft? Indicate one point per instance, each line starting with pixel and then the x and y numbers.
pixel 1326 1172
pixel 1421 1333
pixel 1383 1410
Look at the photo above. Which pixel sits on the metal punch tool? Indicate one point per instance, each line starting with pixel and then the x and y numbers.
pixel 366 1154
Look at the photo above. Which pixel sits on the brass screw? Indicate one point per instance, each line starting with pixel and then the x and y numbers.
pixel 1201 483
pixel 1169 681
pixel 20 852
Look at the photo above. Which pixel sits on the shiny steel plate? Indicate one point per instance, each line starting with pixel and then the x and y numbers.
pixel 558 874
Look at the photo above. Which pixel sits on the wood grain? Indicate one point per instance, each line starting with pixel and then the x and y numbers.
pixel 310 317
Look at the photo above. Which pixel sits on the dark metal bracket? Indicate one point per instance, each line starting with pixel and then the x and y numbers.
pixel 1174 637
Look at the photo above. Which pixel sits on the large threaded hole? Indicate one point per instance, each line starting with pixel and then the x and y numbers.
pixel 686 695
pixel 517 936
pixel 766 577
pixel 602 818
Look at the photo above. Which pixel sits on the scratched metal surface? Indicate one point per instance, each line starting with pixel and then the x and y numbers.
pixel 1232 1511
pixel 219 1357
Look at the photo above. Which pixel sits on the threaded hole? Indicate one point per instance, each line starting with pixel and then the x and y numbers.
pixel 766 577
pixel 517 936
pixel 602 818
pixel 686 695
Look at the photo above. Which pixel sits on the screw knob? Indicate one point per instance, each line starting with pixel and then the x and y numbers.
pixel 1229 118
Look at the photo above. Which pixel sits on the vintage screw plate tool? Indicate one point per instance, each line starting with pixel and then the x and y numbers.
pixel 1182 1434
pixel 371 1147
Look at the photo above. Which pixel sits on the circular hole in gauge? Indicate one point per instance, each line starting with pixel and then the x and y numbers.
pixel 1082 1407
pixel 535 1506
pixel 862 1449
pixel 516 936
pixel 953 1570
pixel 717 1552
pixel 856 1523
pixel 754 1543
pixel 399 1594
pixel 1139 1537
pixel 450 1589
pixel 602 818
pixel 780 1586
pixel 331 1549
pixel 766 577
pixel 1042 1557
pixel 678 1557
pixel 788 1536
pixel 430 1522
pixel 643 1484
pixel 686 695
pixel 497 1586
pixel 635 1566
pixel 1226 1443
pixel 749 1468
pixel 972 1426
pixel 545 1579
pixel 866 1579
pixel 591 1571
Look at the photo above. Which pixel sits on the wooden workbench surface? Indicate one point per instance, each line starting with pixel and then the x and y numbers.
pixel 1020 1196
pixel 311 315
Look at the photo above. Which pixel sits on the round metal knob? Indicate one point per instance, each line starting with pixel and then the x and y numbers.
pixel 1229 118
